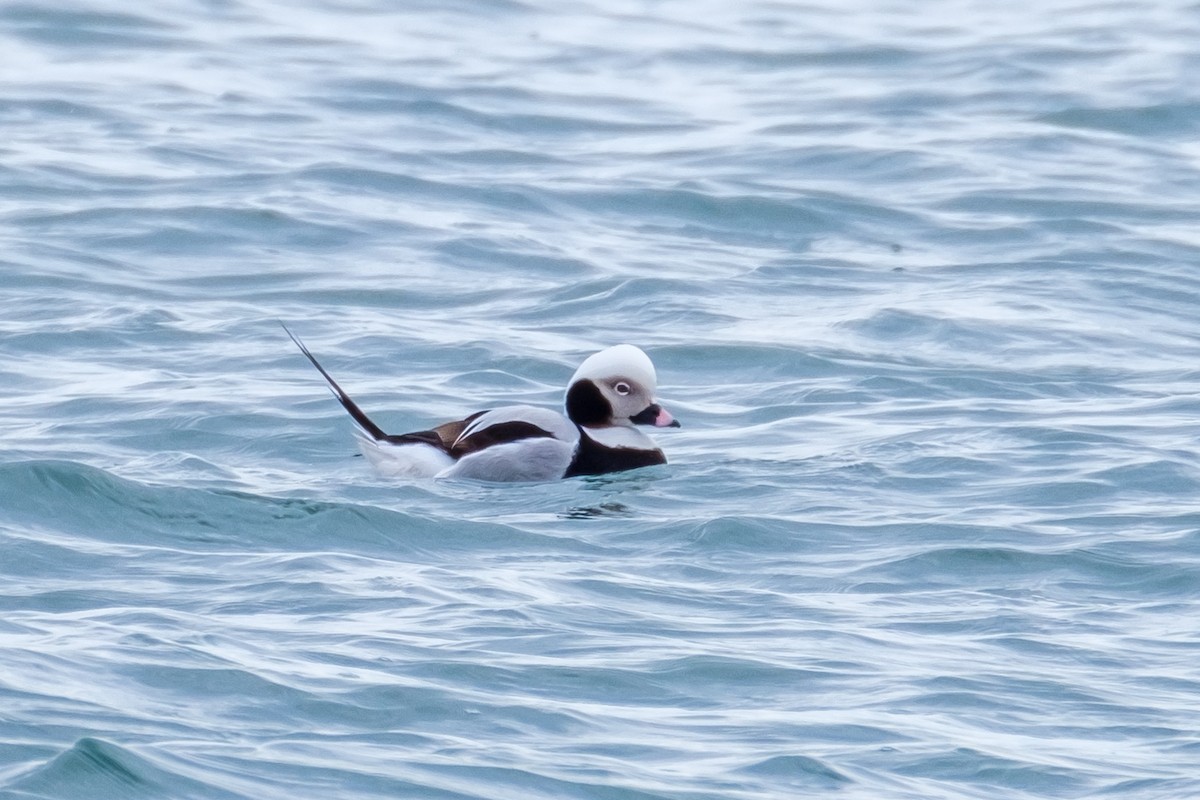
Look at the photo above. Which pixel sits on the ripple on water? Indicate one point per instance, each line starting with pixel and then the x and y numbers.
pixel 922 298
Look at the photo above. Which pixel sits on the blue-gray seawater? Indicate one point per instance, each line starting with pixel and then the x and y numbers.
pixel 921 283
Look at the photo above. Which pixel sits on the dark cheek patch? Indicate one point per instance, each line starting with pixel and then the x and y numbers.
pixel 586 405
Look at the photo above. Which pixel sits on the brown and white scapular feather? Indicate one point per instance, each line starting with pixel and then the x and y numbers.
pixel 610 394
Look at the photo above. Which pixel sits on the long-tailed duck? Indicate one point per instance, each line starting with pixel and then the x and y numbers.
pixel 610 393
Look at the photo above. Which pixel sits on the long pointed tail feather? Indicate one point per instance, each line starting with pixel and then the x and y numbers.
pixel 362 419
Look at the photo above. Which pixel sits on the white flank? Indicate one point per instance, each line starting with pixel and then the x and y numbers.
pixel 540 459
pixel 403 460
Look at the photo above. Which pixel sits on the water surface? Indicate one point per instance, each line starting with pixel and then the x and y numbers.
pixel 919 282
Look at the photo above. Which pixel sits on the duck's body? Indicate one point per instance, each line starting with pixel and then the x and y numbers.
pixel 611 392
pixel 513 443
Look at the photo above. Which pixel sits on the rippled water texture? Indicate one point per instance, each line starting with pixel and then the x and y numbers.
pixel 919 280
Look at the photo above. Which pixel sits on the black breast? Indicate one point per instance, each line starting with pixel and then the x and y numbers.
pixel 593 458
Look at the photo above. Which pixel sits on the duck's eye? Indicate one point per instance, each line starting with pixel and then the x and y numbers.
pixel 622 388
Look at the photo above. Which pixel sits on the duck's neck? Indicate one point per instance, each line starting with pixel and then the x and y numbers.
pixel 619 436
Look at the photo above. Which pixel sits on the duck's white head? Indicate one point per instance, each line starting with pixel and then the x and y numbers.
pixel 616 387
